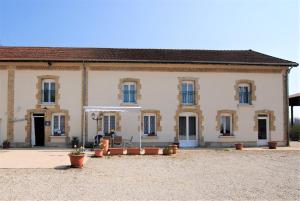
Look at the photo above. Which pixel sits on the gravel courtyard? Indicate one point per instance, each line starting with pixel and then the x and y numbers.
pixel 189 175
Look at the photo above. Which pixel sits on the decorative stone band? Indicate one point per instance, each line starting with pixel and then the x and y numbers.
pixel 48 117
pixel 157 115
pixel 196 85
pixel 118 120
pixel 192 109
pixel 10 104
pixel 39 89
pixel 233 115
pixel 252 88
pixel 138 87
pixel 271 117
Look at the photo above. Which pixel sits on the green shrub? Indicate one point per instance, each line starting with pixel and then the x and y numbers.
pixel 295 132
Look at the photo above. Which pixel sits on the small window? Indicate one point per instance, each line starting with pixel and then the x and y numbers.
pixel 109 123
pixel 129 92
pixel 226 125
pixel 48 91
pixel 58 124
pixel 244 94
pixel 150 124
pixel 188 92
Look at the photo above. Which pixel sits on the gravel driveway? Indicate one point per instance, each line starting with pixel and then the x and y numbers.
pixel 190 175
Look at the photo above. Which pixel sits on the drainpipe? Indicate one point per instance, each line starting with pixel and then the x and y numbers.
pixel 83 133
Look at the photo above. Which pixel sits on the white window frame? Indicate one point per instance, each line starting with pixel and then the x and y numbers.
pixel 59 126
pixel 49 81
pixel 149 123
pixel 187 82
pixel 109 123
pixel 249 91
pixel 129 97
pixel 231 131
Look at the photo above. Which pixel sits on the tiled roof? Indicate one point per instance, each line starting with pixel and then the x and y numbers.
pixel 139 55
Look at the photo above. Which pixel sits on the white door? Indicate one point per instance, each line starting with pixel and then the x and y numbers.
pixel 188 130
pixel 263 131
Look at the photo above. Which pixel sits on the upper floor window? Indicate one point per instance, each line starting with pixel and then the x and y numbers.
pixel 188 92
pixel 129 92
pixel 58 122
pixel 244 94
pixel 48 91
pixel 109 123
pixel 149 124
pixel 226 124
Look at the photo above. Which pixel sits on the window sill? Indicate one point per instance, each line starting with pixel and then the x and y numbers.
pixel 129 104
pixel 245 105
pixel 149 137
pixel 226 136
pixel 57 136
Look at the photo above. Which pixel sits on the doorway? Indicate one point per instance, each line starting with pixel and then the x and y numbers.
pixel 38 130
pixel 263 130
pixel 188 129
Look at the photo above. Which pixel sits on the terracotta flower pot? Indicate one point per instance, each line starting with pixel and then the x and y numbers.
pixel 116 151
pixel 105 145
pixel 167 151
pixel 174 148
pixel 76 160
pixel 99 152
pixel 272 144
pixel 133 151
pixel 151 150
pixel 239 146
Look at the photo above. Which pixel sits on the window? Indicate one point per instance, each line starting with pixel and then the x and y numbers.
pixel 188 92
pixel 109 123
pixel 58 122
pixel 150 124
pixel 226 125
pixel 48 91
pixel 129 92
pixel 244 94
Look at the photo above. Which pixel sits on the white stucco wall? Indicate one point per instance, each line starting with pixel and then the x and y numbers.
pixel 3 105
pixel 159 91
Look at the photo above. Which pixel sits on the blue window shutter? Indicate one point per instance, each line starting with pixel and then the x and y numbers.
pixel 152 124
pixel 146 122
pixel 184 92
pixel 125 94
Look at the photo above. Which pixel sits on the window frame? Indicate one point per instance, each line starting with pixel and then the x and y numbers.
pixel 249 93
pixel 49 81
pixel 188 82
pixel 231 125
pixel 59 124
pixel 149 115
pixel 109 122
pixel 129 84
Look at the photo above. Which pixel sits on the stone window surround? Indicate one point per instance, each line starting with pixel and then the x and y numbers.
pixel 157 119
pixel 252 89
pixel 200 122
pixel 233 116
pixel 271 117
pixel 39 90
pixel 48 129
pixel 117 119
pixel 196 88
pixel 138 89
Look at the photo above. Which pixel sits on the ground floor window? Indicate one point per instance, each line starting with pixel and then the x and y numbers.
pixel 226 124
pixel 149 124
pixel 58 122
pixel 109 123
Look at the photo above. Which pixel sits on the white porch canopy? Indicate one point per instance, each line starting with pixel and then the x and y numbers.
pixel 88 109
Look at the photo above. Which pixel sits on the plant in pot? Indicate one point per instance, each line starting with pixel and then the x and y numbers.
pixel 6 144
pixel 77 157
pixel 167 151
pixel 75 142
pixel 174 148
pixel 239 146
pixel 99 149
pixel 272 145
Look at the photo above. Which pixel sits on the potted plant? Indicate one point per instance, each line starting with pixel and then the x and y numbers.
pixel 174 148
pixel 167 151
pixel 239 146
pixel 133 151
pixel 116 151
pixel 6 144
pixel 151 150
pixel 99 149
pixel 77 157
pixel 75 142
pixel 272 144
pixel 105 142
pixel 152 134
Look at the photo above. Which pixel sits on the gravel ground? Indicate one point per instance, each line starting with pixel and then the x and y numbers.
pixel 189 175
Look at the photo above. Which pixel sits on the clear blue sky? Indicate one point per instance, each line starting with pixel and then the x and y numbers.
pixel 268 26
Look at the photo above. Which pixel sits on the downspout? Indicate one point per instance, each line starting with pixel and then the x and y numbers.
pixel 286 98
pixel 83 133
